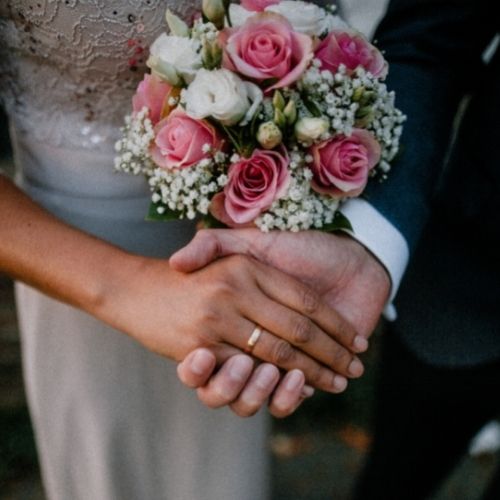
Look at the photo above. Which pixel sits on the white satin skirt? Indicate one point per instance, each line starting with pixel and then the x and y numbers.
pixel 112 421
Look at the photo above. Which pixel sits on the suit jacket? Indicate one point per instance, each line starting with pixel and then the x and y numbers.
pixel 446 201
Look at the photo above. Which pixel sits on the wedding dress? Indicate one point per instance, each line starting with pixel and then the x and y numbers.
pixel 112 421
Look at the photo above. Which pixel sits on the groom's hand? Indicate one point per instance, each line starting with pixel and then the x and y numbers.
pixel 343 272
pixel 241 386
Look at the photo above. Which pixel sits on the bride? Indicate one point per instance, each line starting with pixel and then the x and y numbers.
pixel 99 306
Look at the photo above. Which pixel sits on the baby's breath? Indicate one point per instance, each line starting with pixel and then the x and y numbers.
pixel 133 148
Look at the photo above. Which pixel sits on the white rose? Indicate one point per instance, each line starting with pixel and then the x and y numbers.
pixel 334 23
pixel 239 15
pixel 175 56
pixel 308 130
pixel 222 95
pixel 305 17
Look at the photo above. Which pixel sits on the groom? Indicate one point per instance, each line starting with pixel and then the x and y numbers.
pixel 440 365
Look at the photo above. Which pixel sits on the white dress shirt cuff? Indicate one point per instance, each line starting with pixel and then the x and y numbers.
pixel 382 239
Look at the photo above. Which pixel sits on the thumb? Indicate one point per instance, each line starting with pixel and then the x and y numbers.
pixel 207 246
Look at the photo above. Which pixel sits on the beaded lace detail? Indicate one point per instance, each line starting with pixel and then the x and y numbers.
pixel 68 68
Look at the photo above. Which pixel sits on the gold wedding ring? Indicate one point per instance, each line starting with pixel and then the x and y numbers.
pixel 254 338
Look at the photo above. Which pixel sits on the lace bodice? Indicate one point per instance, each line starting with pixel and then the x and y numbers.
pixel 68 68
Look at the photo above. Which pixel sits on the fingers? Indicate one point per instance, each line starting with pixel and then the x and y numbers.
pixel 305 335
pixel 281 353
pixel 289 394
pixel 245 398
pixel 304 300
pixel 206 247
pixel 197 368
pixel 257 391
pixel 225 386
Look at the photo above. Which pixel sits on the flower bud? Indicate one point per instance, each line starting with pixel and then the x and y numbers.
pixel 279 118
pixel 290 112
pixel 278 100
pixel 308 130
pixel 177 26
pixel 211 54
pixel 214 11
pixel 269 135
pixel 358 94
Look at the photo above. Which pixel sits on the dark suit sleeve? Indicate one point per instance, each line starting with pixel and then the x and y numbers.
pixel 434 49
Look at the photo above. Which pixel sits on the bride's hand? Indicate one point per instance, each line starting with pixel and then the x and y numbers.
pixel 218 307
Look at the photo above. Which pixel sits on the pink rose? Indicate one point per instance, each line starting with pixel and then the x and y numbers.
pixel 180 140
pixel 353 50
pixel 151 93
pixel 341 165
pixel 267 48
pixel 254 184
pixel 258 5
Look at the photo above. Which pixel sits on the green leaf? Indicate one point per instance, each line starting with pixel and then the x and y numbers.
pixel 167 215
pixel 340 223
pixel 312 107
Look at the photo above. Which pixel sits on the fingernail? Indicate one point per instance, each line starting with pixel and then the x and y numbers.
pixel 307 392
pixel 266 377
pixel 340 383
pixel 360 344
pixel 356 368
pixel 201 363
pixel 239 368
pixel 294 381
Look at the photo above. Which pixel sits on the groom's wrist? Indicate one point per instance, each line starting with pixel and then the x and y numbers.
pixel 380 238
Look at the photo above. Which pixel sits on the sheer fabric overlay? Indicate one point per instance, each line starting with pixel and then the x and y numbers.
pixel 68 68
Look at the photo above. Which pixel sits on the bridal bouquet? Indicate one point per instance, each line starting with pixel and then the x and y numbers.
pixel 267 113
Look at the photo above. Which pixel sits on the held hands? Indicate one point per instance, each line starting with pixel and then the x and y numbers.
pixel 218 307
pixel 345 275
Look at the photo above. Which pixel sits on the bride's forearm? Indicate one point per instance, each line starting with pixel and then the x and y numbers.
pixel 61 261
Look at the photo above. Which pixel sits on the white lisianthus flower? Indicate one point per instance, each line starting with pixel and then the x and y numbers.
pixel 173 56
pixel 305 17
pixel 308 130
pixel 222 95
